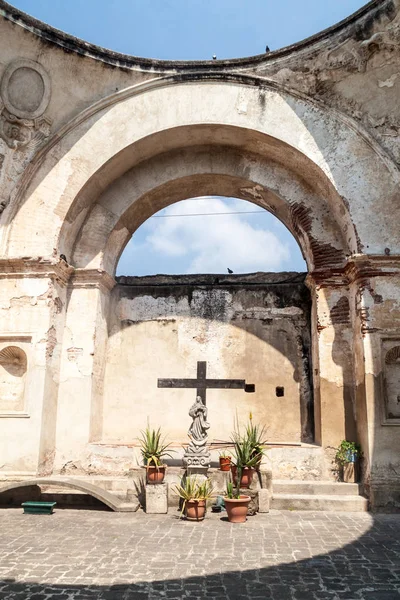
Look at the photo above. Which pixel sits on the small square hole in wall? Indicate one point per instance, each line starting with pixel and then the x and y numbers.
pixel 280 391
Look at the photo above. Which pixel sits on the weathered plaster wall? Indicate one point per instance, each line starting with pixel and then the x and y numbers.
pixel 31 321
pixel 379 307
pixel 92 143
pixel 244 327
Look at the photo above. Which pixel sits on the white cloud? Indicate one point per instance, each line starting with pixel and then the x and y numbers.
pixel 213 243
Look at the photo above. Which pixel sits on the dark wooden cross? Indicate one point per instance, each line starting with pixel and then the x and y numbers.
pixel 202 384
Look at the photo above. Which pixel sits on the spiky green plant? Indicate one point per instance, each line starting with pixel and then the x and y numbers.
pixel 247 448
pixel 256 435
pixel 191 489
pixel 153 447
pixel 230 491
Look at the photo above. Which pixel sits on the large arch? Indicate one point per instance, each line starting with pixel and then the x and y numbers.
pixel 176 113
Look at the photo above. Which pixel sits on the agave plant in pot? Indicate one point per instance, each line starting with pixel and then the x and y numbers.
pixel 236 504
pixel 256 435
pixel 248 453
pixel 194 496
pixel 245 462
pixel 154 450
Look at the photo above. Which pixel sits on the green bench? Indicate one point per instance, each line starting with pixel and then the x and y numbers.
pixel 35 507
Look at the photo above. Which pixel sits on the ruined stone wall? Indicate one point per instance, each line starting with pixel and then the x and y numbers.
pixel 255 328
pixel 92 143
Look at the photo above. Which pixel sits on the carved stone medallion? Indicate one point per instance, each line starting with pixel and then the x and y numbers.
pixel 25 89
pixel 25 92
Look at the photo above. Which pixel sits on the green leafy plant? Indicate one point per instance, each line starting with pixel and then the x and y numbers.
pixel 231 492
pixel 347 452
pixel 256 436
pixel 153 447
pixel 244 457
pixel 191 489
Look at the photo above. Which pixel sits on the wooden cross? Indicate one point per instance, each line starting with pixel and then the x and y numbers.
pixel 202 384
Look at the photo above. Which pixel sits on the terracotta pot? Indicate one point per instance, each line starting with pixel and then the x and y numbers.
pixel 155 474
pixel 236 508
pixel 195 510
pixel 247 476
pixel 225 463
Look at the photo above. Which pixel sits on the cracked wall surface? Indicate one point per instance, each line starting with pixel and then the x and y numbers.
pixel 92 143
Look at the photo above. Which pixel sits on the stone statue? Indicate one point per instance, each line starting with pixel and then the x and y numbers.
pixel 197 453
pixel 198 429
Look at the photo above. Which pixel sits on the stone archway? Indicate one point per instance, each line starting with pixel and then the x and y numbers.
pixel 102 202
pixel 230 128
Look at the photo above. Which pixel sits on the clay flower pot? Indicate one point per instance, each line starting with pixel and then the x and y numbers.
pixel 246 478
pixel 195 510
pixel 155 474
pixel 236 508
pixel 225 463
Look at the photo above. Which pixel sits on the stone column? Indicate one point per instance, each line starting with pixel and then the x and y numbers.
pixel 332 343
pixel 377 284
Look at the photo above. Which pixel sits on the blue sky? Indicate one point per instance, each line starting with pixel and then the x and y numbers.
pixel 195 30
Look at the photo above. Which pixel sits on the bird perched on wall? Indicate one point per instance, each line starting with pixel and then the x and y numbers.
pixel 230 270
pixel 267 49
pixel 63 257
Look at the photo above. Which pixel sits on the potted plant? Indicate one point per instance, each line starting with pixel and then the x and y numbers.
pixel 236 504
pixel 245 462
pixel 248 452
pixel 347 457
pixel 194 495
pixel 256 437
pixel 225 461
pixel 154 449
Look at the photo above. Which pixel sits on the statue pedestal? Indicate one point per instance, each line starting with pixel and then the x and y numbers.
pixel 156 499
pixel 200 472
pixel 197 458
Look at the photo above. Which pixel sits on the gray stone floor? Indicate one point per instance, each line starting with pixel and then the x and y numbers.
pixel 283 555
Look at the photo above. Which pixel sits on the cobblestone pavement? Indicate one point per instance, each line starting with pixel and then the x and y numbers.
pixel 283 555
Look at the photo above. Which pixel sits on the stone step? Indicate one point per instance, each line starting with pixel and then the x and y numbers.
pixel 326 488
pixel 319 502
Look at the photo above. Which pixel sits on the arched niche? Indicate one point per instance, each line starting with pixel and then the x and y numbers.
pixel 392 381
pixel 13 368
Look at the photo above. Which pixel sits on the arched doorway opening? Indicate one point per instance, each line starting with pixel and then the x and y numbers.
pixel 211 234
pixel 246 322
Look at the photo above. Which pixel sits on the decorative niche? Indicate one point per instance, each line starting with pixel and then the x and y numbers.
pixel 391 381
pixel 13 374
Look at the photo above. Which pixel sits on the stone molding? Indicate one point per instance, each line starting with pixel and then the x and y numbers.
pixel 357 268
pixel 92 278
pixel 371 11
pixel 19 268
